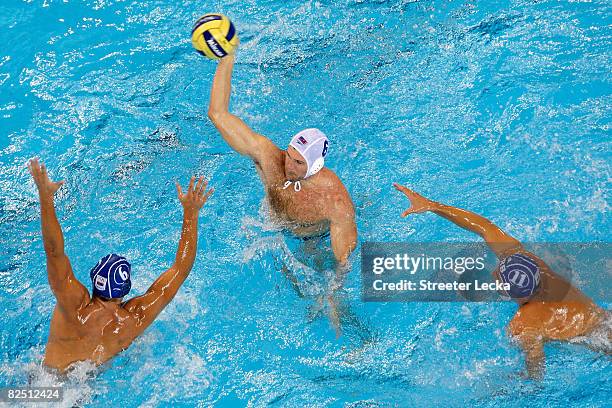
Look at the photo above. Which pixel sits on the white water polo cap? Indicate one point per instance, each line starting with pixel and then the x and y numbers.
pixel 312 144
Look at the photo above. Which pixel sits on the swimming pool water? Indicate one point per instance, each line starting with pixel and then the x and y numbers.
pixel 502 107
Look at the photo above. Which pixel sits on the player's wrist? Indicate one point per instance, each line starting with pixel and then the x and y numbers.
pixel 434 206
pixel 46 196
pixel 228 59
pixel 190 211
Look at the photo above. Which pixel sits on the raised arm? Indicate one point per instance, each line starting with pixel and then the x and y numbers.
pixel 162 291
pixel 68 291
pixel 498 240
pixel 234 131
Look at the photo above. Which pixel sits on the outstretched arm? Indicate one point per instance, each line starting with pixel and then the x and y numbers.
pixel 234 131
pixel 68 291
pixel 498 240
pixel 162 291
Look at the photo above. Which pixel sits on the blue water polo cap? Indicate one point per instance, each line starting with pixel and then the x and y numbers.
pixel 111 277
pixel 522 273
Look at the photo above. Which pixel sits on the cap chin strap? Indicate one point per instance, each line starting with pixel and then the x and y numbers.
pixel 312 170
pixel 297 186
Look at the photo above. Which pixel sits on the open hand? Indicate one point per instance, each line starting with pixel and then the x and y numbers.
pixel 196 194
pixel 418 203
pixel 45 186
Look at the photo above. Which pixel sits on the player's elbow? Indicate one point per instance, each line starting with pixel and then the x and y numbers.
pixel 212 114
pixel 215 114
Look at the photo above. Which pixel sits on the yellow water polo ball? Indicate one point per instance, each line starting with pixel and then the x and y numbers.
pixel 214 36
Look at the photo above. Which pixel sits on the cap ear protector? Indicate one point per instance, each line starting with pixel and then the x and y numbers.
pixel 318 164
pixel 316 167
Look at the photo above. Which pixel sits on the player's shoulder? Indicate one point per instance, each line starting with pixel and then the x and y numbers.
pixel 337 193
pixel 331 180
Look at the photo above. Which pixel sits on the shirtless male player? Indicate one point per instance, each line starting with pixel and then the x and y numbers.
pixel 305 197
pixel 550 309
pixel 97 327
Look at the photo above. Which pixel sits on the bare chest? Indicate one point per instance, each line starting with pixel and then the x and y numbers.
pixel 305 212
pixel 304 207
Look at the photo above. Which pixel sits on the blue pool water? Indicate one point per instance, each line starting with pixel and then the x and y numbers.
pixel 502 107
